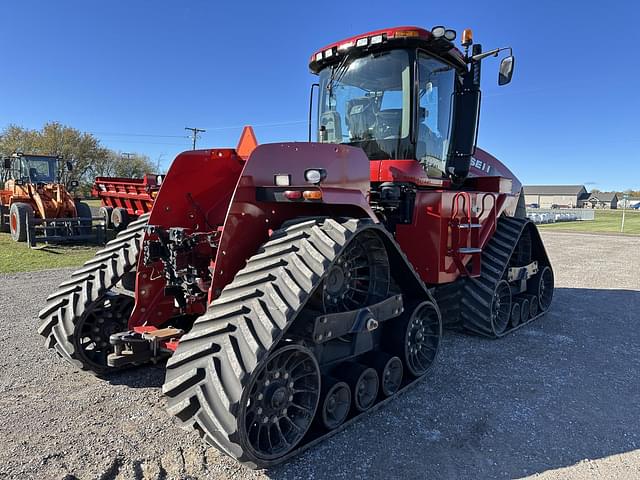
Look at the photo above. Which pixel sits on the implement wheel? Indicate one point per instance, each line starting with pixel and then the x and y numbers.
pixel 20 214
pixel 105 213
pixel 120 219
pixel 281 402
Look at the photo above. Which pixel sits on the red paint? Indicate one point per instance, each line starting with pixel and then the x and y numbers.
pixel 136 195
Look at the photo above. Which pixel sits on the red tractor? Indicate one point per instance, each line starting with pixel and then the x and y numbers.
pixel 295 290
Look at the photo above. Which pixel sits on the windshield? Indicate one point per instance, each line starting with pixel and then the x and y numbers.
pixel 367 104
pixel 38 169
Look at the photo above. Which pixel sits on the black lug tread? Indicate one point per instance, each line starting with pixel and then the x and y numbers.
pixel 477 293
pixel 65 307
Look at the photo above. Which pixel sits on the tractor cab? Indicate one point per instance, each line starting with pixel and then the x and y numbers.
pixel 403 95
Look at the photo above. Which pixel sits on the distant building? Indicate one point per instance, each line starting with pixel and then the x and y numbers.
pixel 602 200
pixel 630 202
pixel 558 196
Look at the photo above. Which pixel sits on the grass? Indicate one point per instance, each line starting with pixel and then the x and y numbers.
pixel 93 202
pixel 606 221
pixel 18 257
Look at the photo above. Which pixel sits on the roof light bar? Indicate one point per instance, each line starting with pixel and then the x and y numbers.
pixel 376 39
pixel 345 46
pixel 318 56
pixel 362 42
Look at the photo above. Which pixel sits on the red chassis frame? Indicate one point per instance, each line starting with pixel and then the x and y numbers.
pixel 236 204
pixel 135 195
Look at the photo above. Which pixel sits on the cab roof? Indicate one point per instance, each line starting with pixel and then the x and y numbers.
pixel 386 39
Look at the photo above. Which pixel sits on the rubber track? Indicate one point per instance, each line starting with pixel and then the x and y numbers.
pixel 89 284
pixel 207 376
pixel 477 293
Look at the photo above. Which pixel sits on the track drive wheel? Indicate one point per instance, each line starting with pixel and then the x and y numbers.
pixel 280 402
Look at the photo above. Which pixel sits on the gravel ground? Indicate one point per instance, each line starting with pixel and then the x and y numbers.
pixel 557 399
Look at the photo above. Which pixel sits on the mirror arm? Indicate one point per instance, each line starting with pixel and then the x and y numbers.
pixel 490 53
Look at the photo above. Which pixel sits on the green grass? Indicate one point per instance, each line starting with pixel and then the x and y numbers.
pixel 93 202
pixel 18 257
pixel 606 221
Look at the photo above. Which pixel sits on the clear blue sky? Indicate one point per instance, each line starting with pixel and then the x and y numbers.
pixel 571 114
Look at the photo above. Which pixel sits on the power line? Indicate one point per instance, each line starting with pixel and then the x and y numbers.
pixel 195 134
pixel 115 134
pixel 277 124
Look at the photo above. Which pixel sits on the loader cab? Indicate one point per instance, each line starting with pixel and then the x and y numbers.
pixel 405 96
pixel 26 169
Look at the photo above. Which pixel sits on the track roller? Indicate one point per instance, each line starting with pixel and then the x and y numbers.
pixel 335 404
pixel 389 370
pixel 525 310
pixel 515 314
pixel 533 305
pixel 364 384
pixel 280 402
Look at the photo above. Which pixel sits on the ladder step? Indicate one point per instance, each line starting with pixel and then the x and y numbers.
pixel 469 250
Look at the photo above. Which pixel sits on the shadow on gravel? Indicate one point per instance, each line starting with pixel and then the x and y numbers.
pixel 558 391
pixel 140 377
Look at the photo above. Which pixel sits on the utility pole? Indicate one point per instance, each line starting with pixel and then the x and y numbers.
pixel 127 155
pixel 194 134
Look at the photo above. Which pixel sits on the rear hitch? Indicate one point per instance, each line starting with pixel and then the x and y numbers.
pixel 143 345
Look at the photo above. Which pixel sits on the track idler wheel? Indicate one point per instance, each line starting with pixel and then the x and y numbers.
pixel 281 402
pixel 501 307
pixel 336 403
pixel 544 289
pixel 364 384
pixel 417 339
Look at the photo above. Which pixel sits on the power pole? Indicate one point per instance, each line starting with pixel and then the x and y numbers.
pixel 194 134
pixel 127 155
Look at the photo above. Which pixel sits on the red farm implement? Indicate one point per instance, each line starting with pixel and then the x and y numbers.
pixel 125 199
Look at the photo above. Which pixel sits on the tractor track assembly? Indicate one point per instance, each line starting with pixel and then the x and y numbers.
pixel 218 371
pixel 67 319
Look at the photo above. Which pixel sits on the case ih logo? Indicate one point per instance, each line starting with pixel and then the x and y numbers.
pixel 480 165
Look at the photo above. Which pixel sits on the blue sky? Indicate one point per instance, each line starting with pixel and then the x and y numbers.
pixel 127 69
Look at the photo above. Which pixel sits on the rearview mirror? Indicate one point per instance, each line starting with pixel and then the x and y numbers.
pixel 7 163
pixel 69 166
pixel 506 70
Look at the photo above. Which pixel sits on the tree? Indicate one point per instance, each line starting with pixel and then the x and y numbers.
pixel 88 157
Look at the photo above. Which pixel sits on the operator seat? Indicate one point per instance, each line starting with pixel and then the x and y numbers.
pixel 360 118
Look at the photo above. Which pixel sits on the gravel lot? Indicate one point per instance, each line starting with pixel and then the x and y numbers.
pixel 557 399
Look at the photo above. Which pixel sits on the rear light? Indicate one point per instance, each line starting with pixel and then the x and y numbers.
pixel 282 179
pixel 312 195
pixel 293 194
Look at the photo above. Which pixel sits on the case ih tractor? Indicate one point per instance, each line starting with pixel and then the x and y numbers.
pixel 32 192
pixel 296 290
